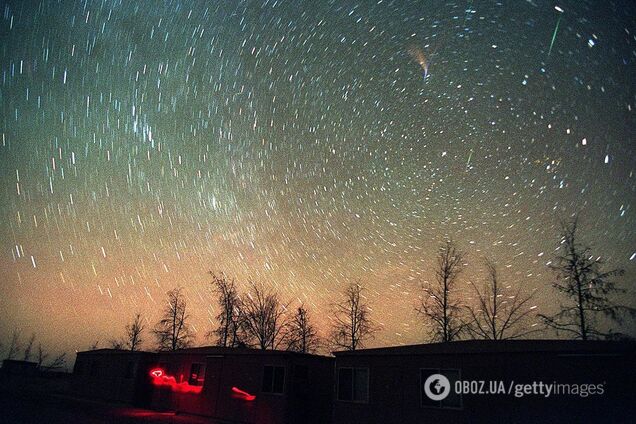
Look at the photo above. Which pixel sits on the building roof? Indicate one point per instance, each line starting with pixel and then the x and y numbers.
pixel 114 351
pixel 217 350
pixel 18 362
pixel 500 346
pixel 202 350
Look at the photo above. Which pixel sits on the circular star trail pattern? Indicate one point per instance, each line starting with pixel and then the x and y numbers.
pixel 300 144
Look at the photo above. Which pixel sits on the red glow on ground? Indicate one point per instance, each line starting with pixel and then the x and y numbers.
pixel 238 393
pixel 161 379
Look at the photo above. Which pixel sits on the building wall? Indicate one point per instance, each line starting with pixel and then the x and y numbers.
pixel 18 368
pixel 115 376
pixel 395 388
pixel 246 373
pixel 306 396
pixel 393 394
pixel 311 393
pixel 178 365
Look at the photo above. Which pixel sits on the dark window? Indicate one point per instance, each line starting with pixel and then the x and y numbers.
pixel 453 400
pixel 197 375
pixel 353 384
pixel 273 379
pixel 130 370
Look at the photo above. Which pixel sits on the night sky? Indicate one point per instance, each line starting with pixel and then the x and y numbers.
pixel 304 145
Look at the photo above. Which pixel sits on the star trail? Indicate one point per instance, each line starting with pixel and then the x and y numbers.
pixel 304 145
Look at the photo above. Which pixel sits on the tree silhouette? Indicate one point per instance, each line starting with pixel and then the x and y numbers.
pixel 134 330
pixel 263 317
pixel 499 314
pixel 42 355
pixel 28 348
pixel 172 330
pixel 439 305
pixel 14 345
pixel 301 336
pixel 579 277
pixel 57 363
pixel 352 325
pixel 132 339
pixel 228 332
pixel 117 344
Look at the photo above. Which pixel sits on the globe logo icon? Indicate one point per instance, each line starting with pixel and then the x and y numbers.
pixel 437 387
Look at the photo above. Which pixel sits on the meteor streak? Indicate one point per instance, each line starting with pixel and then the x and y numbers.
pixel 556 28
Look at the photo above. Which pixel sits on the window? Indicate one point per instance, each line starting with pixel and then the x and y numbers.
pixel 197 375
pixel 353 384
pixel 453 400
pixel 273 379
pixel 130 370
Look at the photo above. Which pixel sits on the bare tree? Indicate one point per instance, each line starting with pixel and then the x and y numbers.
pixel 440 305
pixel 57 363
pixel 499 314
pixel 42 355
pixel 14 345
pixel 28 347
pixel 587 288
pixel 172 330
pixel 95 345
pixel 132 339
pixel 263 318
pixel 116 344
pixel 228 332
pixel 352 325
pixel 301 336
pixel 134 330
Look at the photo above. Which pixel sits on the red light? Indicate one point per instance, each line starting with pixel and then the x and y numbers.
pixel 160 378
pixel 238 393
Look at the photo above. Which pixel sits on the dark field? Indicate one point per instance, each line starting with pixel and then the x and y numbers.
pixel 37 408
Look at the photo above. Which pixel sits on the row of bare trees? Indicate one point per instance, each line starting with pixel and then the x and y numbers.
pixel 499 312
pixel 259 318
pixel 26 352
pixel 495 310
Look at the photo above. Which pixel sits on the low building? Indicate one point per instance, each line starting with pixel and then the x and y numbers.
pixel 594 381
pixel 236 385
pixel 114 375
pixel 523 381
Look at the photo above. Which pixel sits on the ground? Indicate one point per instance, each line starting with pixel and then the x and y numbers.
pixel 36 408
